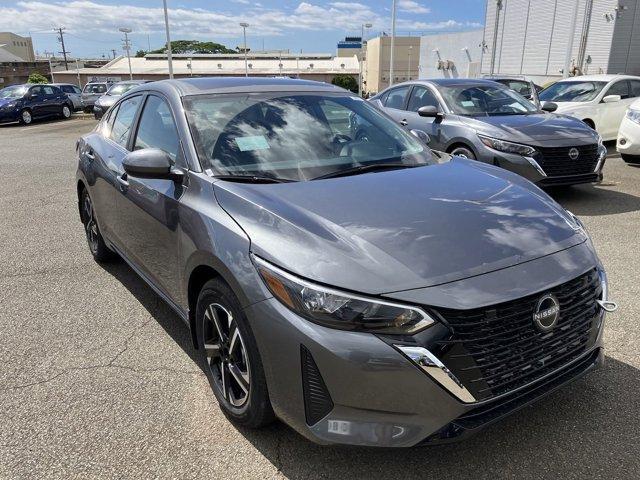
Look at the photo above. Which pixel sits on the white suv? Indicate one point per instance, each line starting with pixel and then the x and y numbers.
pixel 598 100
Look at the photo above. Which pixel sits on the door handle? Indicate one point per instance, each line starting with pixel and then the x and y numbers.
pixel 404 122
pixel 122 180
pixel 89 154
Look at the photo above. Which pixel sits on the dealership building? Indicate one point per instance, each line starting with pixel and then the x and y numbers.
pixel 548 39
pixel 319 67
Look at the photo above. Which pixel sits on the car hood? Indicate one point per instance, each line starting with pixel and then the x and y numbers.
pixel 5 101
pixel 531 129
pixel 396 230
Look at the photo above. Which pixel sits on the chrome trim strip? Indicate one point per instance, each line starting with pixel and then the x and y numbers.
pixel 428 362
pixel 536 165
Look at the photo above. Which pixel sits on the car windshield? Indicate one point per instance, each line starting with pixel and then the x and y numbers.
pixel 485 100
pixel 297 137
pixel 121 88
pixel 95 88
pixel 571 91
pixel 13 92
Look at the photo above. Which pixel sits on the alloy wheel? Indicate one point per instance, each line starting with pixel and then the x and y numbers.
pixel 26 116
pixel 226 355
pixel 66 112
pixel 90 225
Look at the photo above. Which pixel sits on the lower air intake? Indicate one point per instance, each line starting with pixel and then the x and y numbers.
pixel 317 401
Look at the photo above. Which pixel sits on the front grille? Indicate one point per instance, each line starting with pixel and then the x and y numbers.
pixel 497 349
pixel 556 162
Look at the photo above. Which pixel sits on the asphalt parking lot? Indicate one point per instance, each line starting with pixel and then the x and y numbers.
pixel 98 377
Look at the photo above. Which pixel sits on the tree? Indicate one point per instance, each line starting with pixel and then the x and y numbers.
pixel 345 81
pixel 140 53
pixel 37 77
pixel 194 46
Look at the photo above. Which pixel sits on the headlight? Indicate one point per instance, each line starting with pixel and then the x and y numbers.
pixel 9 106
pixel 507 147
pixel 336 309
pixel 633 115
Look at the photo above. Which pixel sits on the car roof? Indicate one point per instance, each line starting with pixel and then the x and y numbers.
pixel 454 81
pixel 598 78
pixel 204 85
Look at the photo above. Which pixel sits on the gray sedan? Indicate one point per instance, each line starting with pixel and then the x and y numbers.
pixel 486 121
pixel 112 95
pixel 332 271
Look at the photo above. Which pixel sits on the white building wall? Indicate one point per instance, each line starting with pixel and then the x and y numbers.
pixel 460 51
pixel 533 36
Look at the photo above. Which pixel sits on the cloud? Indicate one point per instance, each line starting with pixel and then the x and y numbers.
pixel 88 16
pixel 413 7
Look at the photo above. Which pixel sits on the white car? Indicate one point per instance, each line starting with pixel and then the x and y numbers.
pixel 598 100
pixel 628 143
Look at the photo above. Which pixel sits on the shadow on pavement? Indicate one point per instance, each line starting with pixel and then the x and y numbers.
pixel 588 429
pixel 595 200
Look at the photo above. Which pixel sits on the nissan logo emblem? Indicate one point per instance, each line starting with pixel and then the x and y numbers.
pixel 574 153
pixel 546 313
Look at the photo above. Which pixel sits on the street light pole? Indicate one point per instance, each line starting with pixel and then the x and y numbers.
pixel 78 73
pixel 393 41
pixel 409 67
pixel 166 27
pixel 127 48
pixel 361 58
pixel 244 26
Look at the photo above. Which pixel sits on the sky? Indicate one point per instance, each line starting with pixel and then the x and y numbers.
pixel 313 26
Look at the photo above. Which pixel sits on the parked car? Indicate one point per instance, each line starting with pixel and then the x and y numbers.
pixel 24 103
pixel 598 100
pixel 484 120
pixel 73 93
pixel 518 84
pixel 335 273
pixel 628 143
pixel 91 92
pixel 116 90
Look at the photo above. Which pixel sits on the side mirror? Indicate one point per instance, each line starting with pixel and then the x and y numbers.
pixel 611 99
pixel 549 107
pixel 151 163
pixel 428 111
pixel 421 135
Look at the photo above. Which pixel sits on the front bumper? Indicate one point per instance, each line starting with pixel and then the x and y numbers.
pixel 9 116
pixel 628 142
pixel 378 397
pixel 533 169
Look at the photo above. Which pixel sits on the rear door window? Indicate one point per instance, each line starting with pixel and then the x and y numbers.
pixel 123 122
pixel 635 88
pixel 619 88
pixel 396 98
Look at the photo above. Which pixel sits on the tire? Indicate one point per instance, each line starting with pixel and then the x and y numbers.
pixel 66 111
pixel 230 357
pixel 589 123
pixel 25 117
pixel 101 253
pixel 463 151
pixel 631 159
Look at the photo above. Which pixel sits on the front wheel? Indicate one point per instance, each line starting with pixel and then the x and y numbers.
pixel 230 357
pixel 464 152
pixel 25 117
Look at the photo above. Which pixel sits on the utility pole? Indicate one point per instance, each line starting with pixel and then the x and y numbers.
pixel 61 40
pixel 166 27
pixel 113 50
pixel 126 46
pixel 393 42
pixel 244 26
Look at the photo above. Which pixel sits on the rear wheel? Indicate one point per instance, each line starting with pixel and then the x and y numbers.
pixel 463 151
pixel 230 356
pixel 66 111
pixel 25 117
pixel 97 247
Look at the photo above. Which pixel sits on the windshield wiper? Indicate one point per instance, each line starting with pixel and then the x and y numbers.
pixel 252 178
pixel 364 168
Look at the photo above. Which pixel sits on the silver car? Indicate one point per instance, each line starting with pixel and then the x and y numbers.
pixel 73 93
pixel 112 95
pixel 484 120
pixel 91 92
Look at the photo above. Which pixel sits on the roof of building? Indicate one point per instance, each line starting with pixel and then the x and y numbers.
pixel 8 57
pixel 234 64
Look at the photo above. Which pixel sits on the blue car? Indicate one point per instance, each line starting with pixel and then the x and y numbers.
pixel 25 103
